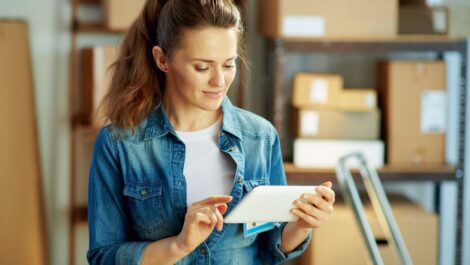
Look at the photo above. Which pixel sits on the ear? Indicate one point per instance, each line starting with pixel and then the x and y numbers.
pixel 160 58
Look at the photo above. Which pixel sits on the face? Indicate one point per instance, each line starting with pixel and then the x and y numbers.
pixel 202 69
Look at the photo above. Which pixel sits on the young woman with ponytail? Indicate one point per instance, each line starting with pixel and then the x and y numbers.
pixel 174 155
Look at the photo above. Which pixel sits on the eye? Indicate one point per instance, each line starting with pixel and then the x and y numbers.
pixel 201 68
pixel 229 66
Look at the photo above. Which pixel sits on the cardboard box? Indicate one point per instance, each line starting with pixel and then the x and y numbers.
pixel 423 20
pixel 326 153
pixel 419 229
pixel 414 106
pixel 355 99
pixel 333 18
pixel 22 223
pixel 312 90
pixel 120 14
pixel 96 78
pixel 333 124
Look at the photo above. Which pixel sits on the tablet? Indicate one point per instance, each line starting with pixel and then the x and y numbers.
pixel 268 204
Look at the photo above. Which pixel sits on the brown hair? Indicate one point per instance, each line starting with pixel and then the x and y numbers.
pixel 137 84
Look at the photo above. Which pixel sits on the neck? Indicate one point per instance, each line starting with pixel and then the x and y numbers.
pixel 186 117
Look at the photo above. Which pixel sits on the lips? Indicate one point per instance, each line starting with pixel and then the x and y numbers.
pixel 214 94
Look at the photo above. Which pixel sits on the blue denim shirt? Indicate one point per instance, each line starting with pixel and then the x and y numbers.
pixel 137 190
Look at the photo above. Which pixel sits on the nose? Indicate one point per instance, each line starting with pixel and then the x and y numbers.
pixel 218 78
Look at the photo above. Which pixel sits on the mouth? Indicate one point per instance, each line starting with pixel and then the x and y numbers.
pixel 213 94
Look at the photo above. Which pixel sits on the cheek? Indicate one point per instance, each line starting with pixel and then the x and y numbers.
pixel 229 77
pixel 187 80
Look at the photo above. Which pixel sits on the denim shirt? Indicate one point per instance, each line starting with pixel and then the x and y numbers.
pixel 137 190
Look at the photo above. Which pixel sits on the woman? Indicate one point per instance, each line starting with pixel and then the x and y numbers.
pixel 178 155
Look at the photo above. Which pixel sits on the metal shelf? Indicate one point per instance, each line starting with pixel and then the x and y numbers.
pixel 399 43
pixel 314 176
pixel 279 47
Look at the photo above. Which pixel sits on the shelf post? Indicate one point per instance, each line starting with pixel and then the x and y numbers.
pixel 278 85
pixel 460 172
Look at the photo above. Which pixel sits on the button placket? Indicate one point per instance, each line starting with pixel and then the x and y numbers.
pixel 240 180
pixel 202 251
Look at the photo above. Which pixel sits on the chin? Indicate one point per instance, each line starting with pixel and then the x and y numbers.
pixel 211 106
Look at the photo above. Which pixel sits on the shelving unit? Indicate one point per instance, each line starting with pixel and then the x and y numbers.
pixel 80 123
pixel 280 47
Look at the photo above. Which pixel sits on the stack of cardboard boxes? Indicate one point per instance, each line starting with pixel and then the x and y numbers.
pixel 332 121
pixel 305 18
pixel 414 101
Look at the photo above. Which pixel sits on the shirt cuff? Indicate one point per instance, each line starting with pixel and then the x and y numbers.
pixel 130 253
pixel 280 255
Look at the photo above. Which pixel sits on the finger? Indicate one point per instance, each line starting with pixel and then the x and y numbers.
pixel 211 214
pixel 326 193
pixel 306 218
pixel 317 201
pixel 311 210
pixel 222 208
pixel 220 219
pixel 328 184
pixel 216 199
pixel 200 217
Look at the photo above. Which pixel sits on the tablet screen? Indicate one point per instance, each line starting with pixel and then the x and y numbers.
pixel 268 204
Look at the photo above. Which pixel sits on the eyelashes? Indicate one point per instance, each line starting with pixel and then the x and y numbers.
pixel 204 69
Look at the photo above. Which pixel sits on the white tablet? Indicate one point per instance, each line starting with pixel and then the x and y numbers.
pixel 268 204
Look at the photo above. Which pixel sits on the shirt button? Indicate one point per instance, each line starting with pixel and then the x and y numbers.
pixel 222 133
pixel 231 149
pixel 240 180
pixel 202 251
pixel 143 192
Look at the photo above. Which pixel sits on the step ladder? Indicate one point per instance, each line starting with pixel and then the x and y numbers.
pixel 380 205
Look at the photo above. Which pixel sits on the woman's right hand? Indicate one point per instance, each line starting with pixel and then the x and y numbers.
pixel 200 220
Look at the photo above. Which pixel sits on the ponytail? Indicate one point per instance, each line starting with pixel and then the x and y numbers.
pixel 136 83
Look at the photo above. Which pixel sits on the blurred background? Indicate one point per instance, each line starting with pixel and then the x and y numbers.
pixel 386 77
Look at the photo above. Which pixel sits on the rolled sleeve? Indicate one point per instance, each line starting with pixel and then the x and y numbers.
pixel 271 252
pixel 130 253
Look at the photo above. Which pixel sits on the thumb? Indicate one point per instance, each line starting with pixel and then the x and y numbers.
pixel 328 184
pixel 222 208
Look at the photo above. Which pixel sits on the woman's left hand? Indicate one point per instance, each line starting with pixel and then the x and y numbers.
pixel 314 209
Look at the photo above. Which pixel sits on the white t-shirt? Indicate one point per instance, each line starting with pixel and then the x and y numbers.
pixel 208 171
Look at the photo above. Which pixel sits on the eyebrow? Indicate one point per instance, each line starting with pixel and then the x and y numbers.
pixel 211 61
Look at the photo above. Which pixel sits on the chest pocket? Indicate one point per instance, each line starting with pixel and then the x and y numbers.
pixel 145 205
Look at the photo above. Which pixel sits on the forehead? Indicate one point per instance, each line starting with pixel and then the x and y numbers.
pixel 208 43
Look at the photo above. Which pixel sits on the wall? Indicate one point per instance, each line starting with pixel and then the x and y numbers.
pixel 48 22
